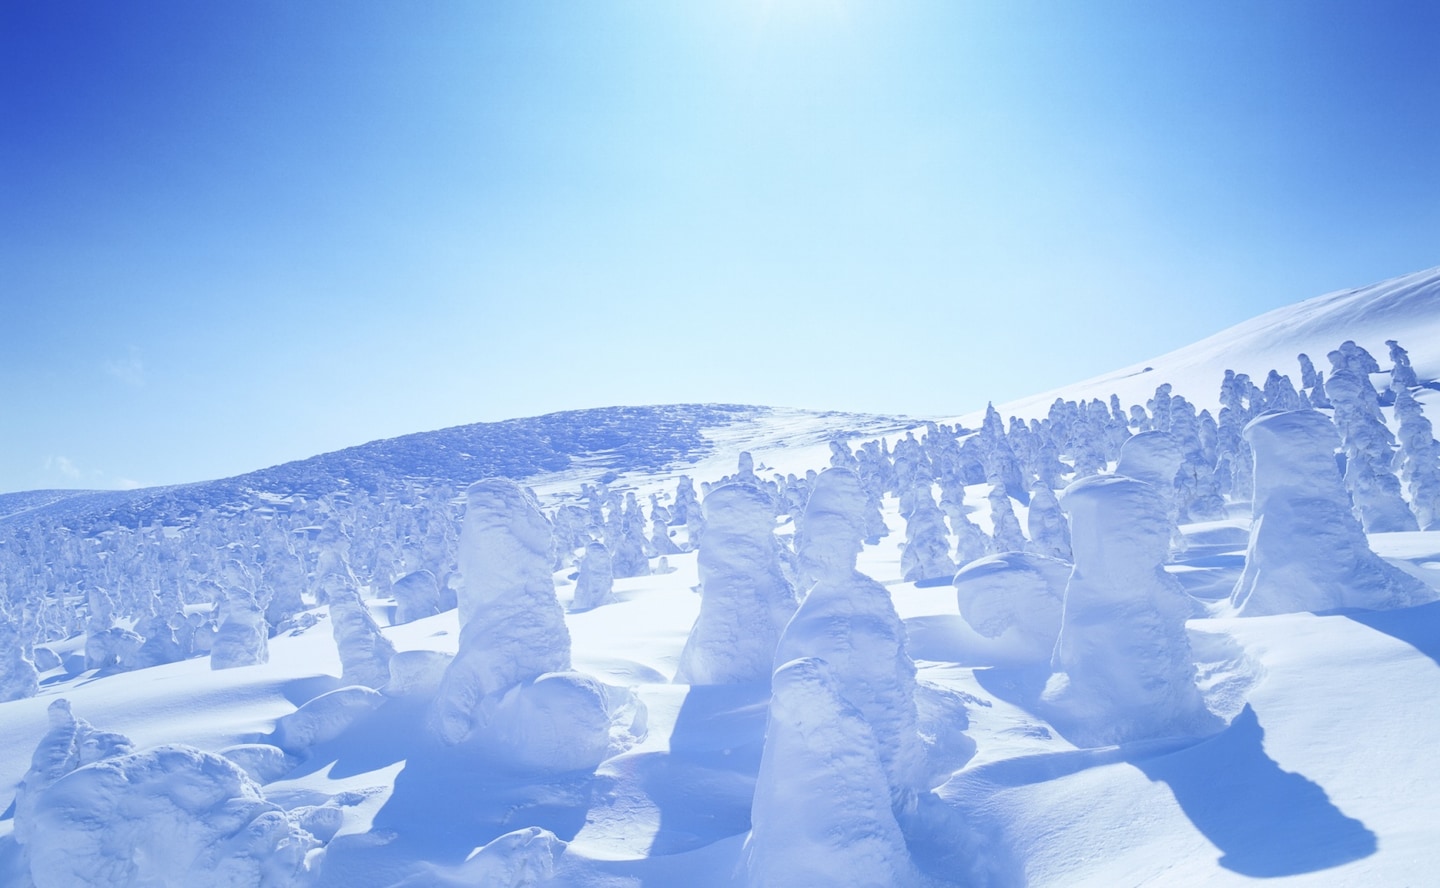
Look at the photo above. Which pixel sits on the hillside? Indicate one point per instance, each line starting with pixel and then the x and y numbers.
pixel 880 653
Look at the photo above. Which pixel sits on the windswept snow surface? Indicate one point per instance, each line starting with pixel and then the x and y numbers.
pixel 1318 765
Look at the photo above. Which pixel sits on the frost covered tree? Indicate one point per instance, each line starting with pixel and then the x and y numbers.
pixel 1309 379
pixel 1049 531
pixel 242 638
pixel 686 502
pixel 1369 451
pixel 593 587
pixel 1402 375
pixel 818 817
pixel 849 621
pixel 1002 468
pixel 1122 669
pixel 1307 551
pixel 364 650
pixel 745 599
pixel 926 556
pixel 829 541
pixel 1420 469
pixel 512 628
pixel 1008 535
pixel 18 677
pixel 417 595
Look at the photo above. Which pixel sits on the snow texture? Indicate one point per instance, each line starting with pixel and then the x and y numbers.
pixel 1307 551
pixel 597 578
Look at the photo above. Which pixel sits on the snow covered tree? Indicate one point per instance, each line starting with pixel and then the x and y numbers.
pixel 1369 451
pixel 1420 468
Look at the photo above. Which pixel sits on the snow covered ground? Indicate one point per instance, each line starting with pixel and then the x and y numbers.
pixel 1318 769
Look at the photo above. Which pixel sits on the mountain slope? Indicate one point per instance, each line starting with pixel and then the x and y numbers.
pixel 1405 308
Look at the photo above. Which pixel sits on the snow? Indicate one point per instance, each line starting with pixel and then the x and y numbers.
pixel 1116 720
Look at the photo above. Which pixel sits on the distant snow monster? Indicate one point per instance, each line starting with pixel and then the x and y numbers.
pixel 746 600
pixel 833 526
pixel 1307 550
pixel 509 690
pixel 1122 668
pixel 243 636
pixel 597 578
pixel 821 813
pixel 512 628
pixel 364 651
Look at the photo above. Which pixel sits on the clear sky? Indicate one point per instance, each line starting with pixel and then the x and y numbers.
pixel 234 234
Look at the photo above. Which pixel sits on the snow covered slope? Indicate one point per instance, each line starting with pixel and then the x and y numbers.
pixel 1311 760
pixel 1406 309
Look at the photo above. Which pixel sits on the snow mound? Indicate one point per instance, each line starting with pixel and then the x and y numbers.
pixel 1015 598
pixel 172 815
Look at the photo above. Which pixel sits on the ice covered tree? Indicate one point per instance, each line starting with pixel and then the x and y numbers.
pixel 926 555
pixel 1402 375
pixel 364 650
pixel 1420 468
pixel 512 628
pixel 1049 531
pixel 596 580
pixel 1122 669
pixel 829 540
pixel 1369 452
pixel 745 599
pixel 1008 535
pixel 1307 551
pixel 849 621
pixel 818 817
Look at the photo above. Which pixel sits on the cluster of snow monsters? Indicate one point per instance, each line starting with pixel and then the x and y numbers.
pixel 846 771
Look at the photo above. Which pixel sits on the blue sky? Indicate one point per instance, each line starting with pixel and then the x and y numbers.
pixel 237 234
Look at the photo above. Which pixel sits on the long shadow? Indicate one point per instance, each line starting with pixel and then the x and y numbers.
pixel 716 744
pixel 446 801
pixel 1268 822
pixel 1418 626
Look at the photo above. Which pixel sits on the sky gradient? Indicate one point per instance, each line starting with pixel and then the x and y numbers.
pixel 233 234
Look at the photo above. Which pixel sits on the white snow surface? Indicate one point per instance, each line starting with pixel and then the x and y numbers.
pixel 1319 768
